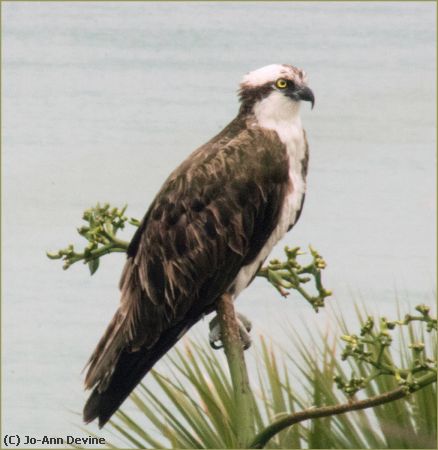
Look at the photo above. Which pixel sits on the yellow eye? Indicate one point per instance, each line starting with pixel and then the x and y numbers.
pixel 281 83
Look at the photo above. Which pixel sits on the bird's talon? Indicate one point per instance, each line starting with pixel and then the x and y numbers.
pixel 215 335
pixel 215 346
pixel 244 337
pixel 244 322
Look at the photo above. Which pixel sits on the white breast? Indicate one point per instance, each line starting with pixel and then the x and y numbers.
pixel 278 113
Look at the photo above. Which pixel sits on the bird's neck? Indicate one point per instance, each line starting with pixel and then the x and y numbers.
pixel 277 112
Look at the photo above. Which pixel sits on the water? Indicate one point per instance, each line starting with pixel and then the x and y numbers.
pixel 102 101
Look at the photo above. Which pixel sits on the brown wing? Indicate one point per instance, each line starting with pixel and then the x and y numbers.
pixel 212 216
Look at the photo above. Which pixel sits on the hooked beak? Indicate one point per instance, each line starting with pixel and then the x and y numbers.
pixel 306 94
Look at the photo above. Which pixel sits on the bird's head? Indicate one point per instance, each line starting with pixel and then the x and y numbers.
pixel 277 86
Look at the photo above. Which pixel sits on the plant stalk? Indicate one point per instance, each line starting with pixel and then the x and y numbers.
pixel 239 375
pixel 270 431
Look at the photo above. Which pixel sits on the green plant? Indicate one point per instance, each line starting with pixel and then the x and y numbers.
pixel 103 222
pixel 193 407
pixel 235 418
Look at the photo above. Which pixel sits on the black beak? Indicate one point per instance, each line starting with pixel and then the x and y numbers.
pixel 306 94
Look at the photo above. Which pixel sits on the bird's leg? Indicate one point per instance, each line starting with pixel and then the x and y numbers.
pixel 215 335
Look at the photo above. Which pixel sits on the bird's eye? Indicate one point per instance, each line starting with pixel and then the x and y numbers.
pixel 281 83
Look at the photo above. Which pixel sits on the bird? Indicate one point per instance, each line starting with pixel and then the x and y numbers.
pixel 207 233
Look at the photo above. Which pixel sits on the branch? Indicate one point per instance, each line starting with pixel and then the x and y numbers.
pixel 371 348
pixel 239 375
pixel 104 222
pixel 264 436
pixel 291 274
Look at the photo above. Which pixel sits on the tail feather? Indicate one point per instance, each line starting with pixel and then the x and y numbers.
pixel 129 370
pixel 105 356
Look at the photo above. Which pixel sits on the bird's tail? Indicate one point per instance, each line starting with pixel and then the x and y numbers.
pixel 129 370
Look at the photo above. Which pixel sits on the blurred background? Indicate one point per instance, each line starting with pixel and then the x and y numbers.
pixel 102 100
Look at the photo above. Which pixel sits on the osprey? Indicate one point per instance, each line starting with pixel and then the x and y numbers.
pixel 206 233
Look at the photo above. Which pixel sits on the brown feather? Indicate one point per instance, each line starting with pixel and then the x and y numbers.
pixel 212 216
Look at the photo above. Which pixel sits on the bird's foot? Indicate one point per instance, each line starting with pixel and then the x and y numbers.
pixel 215 335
